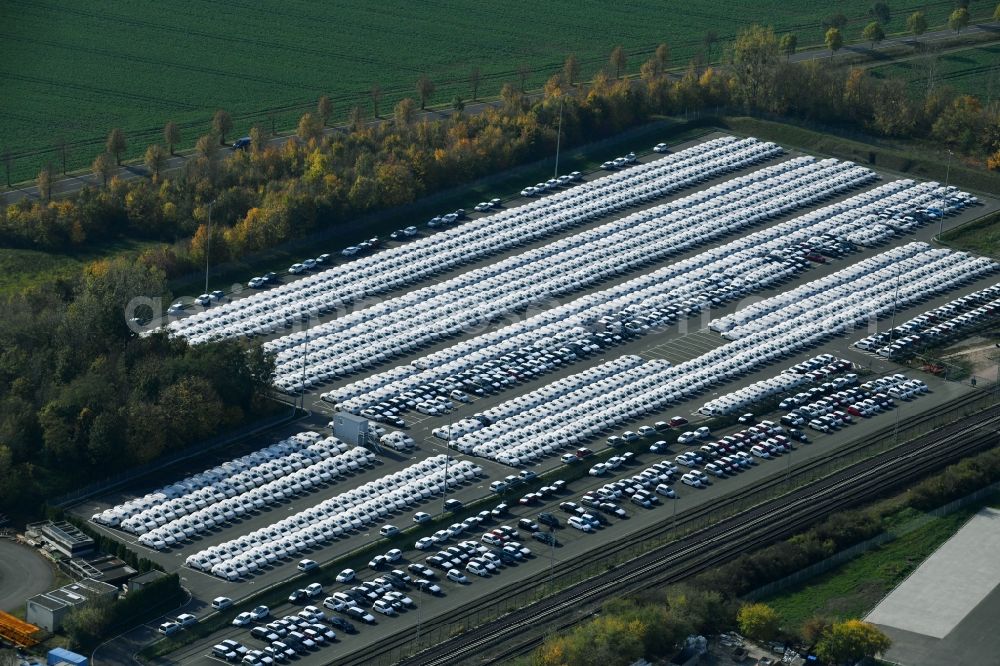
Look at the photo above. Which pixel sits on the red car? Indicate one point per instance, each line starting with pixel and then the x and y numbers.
pixel 583 453
pixel 677 421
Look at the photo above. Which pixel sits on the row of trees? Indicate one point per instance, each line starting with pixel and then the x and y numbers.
pixel 270 193
pixel 82 397
pixel 655 622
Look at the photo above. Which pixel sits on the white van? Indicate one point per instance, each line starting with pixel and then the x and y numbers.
pixel 221 603
pixel 307 565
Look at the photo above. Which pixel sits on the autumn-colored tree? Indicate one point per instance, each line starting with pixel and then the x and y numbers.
pixel 916 24
pixel 116 144
pixel 356 118
pixel 222 122
pixel 788 44
pixel 814 628
pixel 650 70
pixel 171 136
pixel 755 53
pixel 405 112
pixel 571 70
pixel 155 160
pixel 44 183
pixel 993 161
pixel 258 139
pixel 324 109
pixel 833 40
pixel 759 622
pixel 457 104
pixel 851 641
pixel 662 56
pixel 474 78
pixel 996 13
pixel 893 113
pixel 104 167
pixel 207 147
pixel 618 61
pixel 709 41
pixel 309 128
pixel 959 19
pixel 511 98
pixel 425 90
pixel 873 33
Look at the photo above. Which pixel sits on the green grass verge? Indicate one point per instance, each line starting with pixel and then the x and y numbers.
pixel 980 236
pixel 22 269
pixel 906 158
pixel 974 71
pixel 183 60
pixel 853 589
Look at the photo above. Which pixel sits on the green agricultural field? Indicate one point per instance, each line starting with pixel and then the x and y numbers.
pixel 974 71
pixel 71 71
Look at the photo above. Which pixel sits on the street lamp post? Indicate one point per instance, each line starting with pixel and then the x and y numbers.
pixel 447 458
pixel 559 135
pixel 208 243
pixel 947 175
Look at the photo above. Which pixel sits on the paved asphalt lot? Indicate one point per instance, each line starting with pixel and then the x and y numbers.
pixel 684 341
pixel 23 573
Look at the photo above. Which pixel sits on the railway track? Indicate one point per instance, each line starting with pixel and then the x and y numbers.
pixel 717 543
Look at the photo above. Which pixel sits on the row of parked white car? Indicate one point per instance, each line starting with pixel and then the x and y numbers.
pixel 689 283
pixel 874 288
pixel 940 323
pixel 335 288
pixel 197 491
pixel 299 481
pixel 731 271
pixel 406 323
pixel 342 514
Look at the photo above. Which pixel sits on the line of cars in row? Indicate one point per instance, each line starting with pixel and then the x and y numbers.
pixel 407 264
pixel 410 321
pixel 673 284
pixel 341 515
pixel 936 325
pixel 552 184
pixel 198 490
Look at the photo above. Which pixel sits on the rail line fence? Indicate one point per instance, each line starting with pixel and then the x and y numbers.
pixel 562 575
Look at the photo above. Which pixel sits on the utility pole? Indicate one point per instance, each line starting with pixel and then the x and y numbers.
pixel 892 326
pixel 552 558
pixel 447 459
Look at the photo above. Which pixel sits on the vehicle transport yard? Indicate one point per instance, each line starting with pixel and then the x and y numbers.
pixel 696 284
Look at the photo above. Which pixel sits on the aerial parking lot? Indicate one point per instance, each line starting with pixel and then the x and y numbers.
pixel 630 305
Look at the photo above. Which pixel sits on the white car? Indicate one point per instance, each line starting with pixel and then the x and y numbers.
pixel 580 524
pixel 457 576
pixel 665 490
pixel 243 620
pixel 260 612
pixel 424 543
pixel 598 469
pixel 346 576
pixel 692 480
pixel 384 607
pixel 660 148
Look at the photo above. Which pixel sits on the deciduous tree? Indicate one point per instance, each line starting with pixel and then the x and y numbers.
pixel 171 136
pixel 44 183
pixel 324 109
pixel 813 629
pixel 116 144
pixel 457 104
pixel 309 128
pixel 571 70
pixel 474 78
pixel 996 13
pixel 222 122
pixel 258 139
pixel 523 72
pixel 356 118
pixel 425 90
pixel 405 112
pixel 851 641
pixel 916 24
pixel 155 160
pixel 755 53
pixel 758 621
pixel 959 19
pixel 207 147
pixel 873 33
pixel 788 44
pixel 838 21
pixel 880 12
pixel 834 40
pixel 709 41
pixel 618 60
pixel 104 167
pixel 662 56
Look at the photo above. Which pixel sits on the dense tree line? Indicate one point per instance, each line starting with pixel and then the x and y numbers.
pixel 268 194
pixel 82 397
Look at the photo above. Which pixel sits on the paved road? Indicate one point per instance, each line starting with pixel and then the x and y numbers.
pixel 675 344
pixel 62 187
pixel 23 573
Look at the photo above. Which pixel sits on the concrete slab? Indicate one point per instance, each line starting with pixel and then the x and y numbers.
pixel 946 588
